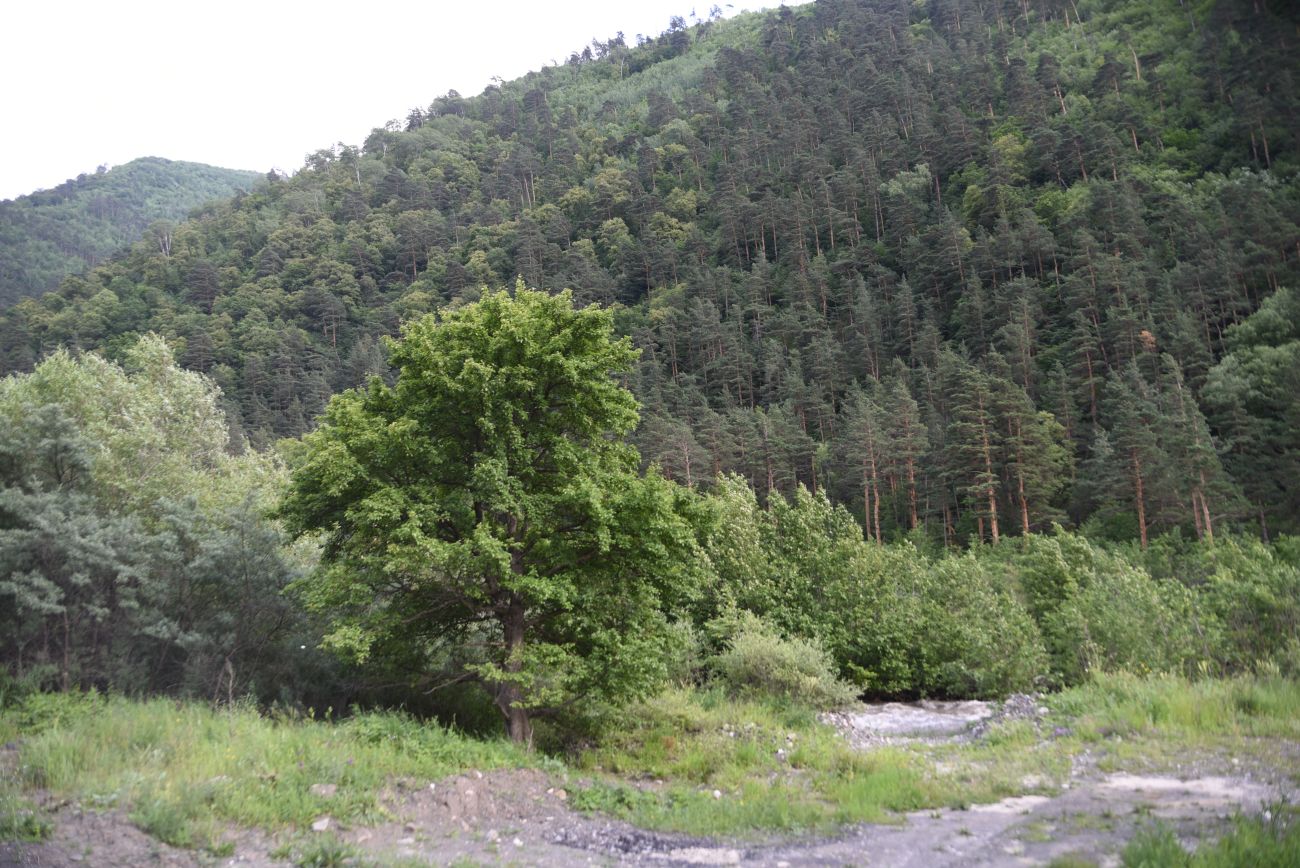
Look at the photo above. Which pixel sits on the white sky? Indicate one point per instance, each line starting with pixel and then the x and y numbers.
pixel 256 85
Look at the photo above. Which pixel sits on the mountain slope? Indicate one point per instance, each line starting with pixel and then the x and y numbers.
pixel 50 234
pixel 966 266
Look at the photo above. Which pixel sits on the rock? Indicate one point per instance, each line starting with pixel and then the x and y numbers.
pixel 321 825
pixel 324 791
pixel 705 856
pixel 493 835
pixel 409 827
pixel 517 842
pixel 717 794
pixel 561 794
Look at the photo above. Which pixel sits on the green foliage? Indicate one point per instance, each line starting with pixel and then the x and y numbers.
pixel 1125 704
pixel 485 509
pixel 1046 610
pixel 1246 597
pixel 1022 293
pixel 976 638
pixel 758 661
pixel 19 819
pixel 185 770
pixel 1251 392
pixel 895 621
pixel 1100 612
pixel 47 235
pixel 1272 842
pixel 134 548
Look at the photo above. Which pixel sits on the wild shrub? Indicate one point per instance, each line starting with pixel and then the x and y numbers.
pixel 1099 610
pixel 978 639
pixel 758 660
pixel 1254 597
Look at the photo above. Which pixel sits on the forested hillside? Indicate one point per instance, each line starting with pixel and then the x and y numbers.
pixel 968 267
pixel 50 234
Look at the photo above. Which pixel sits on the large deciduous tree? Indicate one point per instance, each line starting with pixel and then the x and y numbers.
pixel 483 517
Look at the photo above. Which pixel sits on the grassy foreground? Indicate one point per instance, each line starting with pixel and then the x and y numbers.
pixel 691 760
pixel 697 762
pixel 185 771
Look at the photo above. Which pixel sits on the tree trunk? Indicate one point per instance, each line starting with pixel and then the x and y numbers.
pixel 1141 498
pixel 1205 508
pixel 509 696
pixel 1024 503
pixel 990 491
pixel 911 493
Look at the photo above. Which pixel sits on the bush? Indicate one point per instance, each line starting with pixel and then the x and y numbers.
pixel 686 652
pixel 1100 611
pixel 758 660
pixel 1254 597
pixel 978 639
pixel 877 617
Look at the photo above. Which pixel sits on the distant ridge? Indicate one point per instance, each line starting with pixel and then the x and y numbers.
pixel 49 234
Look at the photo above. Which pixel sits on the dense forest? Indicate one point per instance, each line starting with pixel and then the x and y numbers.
pixel 50 234
pixel 904 278
pixel 973 268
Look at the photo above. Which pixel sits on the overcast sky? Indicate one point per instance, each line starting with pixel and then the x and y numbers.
pixel 256 85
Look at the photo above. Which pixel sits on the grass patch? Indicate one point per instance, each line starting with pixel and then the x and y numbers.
pixel 185 770
pixel 20 820
pixel 1167 705
pixel 319 851
pixel 1072 860
pixel 1253 842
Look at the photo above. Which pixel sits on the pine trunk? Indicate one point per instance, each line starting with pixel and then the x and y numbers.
pixel 1141 498
pixel 911 493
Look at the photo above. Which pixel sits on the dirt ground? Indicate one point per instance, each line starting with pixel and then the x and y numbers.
pixel 523 818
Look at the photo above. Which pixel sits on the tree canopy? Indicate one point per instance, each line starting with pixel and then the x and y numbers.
pixel 484 518
pixel 967 214
pixel 135 553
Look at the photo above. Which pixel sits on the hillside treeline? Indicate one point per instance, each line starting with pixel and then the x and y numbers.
pixel 137 555
pixel 49 234
pixel 969 269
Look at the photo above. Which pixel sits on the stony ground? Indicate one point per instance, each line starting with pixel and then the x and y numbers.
pixel 523 817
